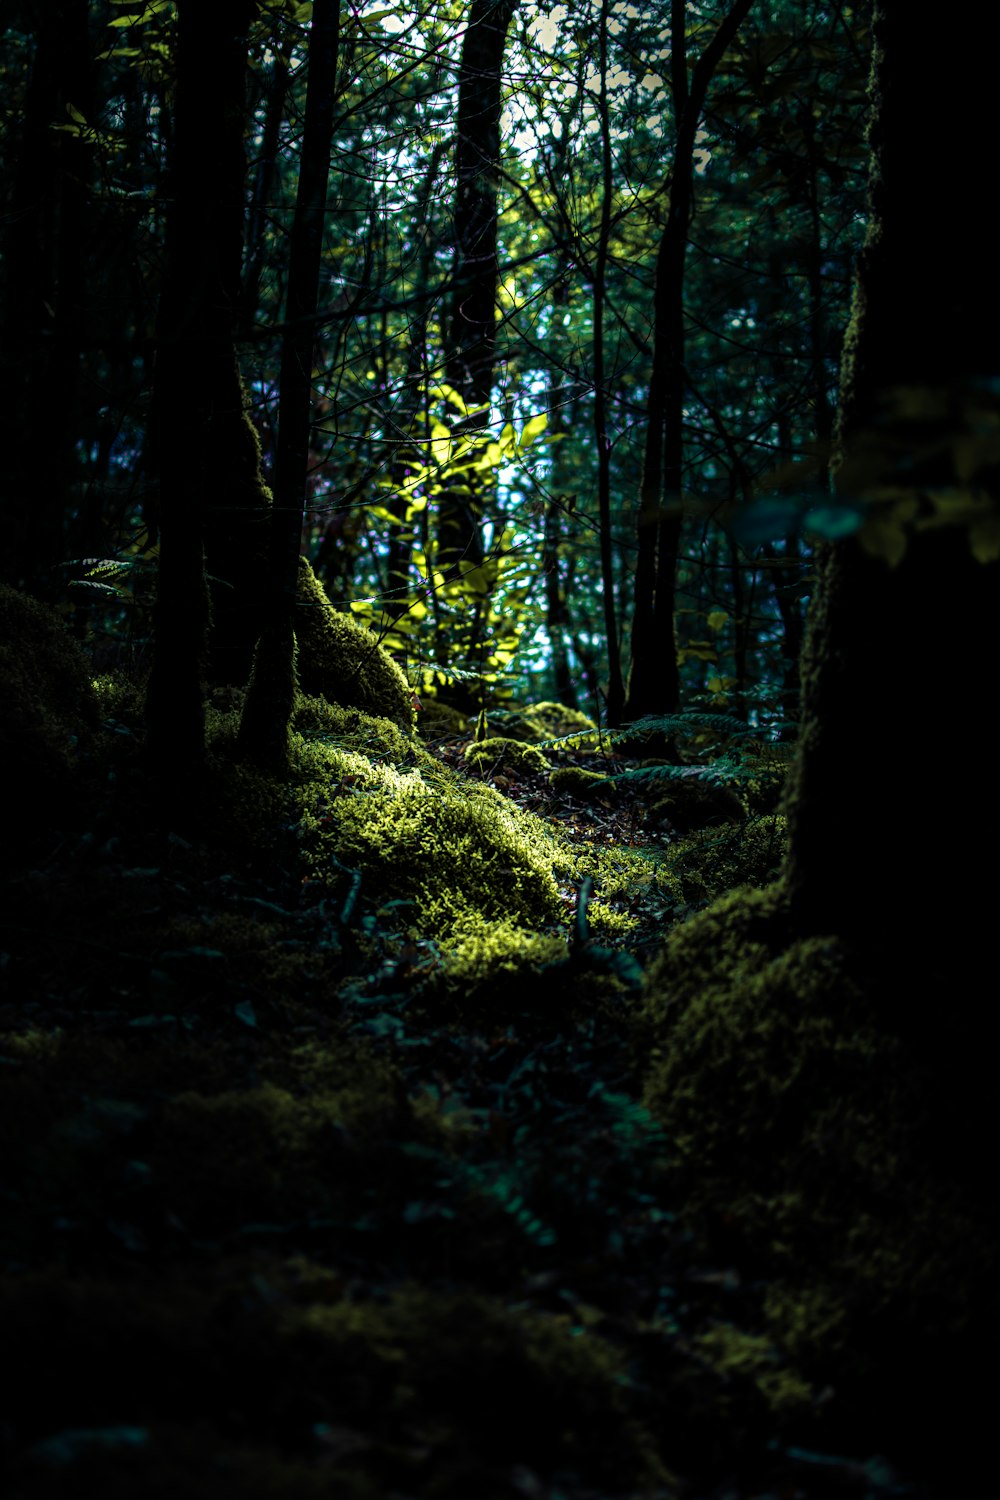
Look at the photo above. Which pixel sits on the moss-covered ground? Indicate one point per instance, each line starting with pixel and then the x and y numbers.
pixel 344 1154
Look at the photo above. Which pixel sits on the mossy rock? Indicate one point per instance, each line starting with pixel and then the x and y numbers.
pixel 50 711
pixel 481 1371
pixel 539 721
pixel 808 1131
pixel 342 661
pixel 453 851
pixel 418 833
pixel 712 861
pixel 500 753
pixel 379 737
pixel 499 972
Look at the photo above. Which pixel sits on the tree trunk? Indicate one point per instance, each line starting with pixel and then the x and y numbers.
pixel 900 650
pixel 264 726
pixel 44 255
pixel 615 699
pixel 654 679
pixel 265 180
pixel 472 324
pixel 198 401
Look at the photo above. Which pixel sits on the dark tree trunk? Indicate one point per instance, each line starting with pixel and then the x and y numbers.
pixel 654 678
pixel 900 651
pixel 408 414
pixel 556 620
pixel 198 402
pixel 265 180
pixel 615 699
pixel 44 269
pixel 264 727
pixel 472 323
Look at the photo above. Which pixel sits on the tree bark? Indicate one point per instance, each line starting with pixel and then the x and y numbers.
pixel 265 180
pixel 198 401
pixel 898 659
pixel 615 699
pixel 471 349
pixel 44 255
pixel 264 726
pixel 654 679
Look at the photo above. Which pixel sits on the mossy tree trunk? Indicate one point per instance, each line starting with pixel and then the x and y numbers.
pixel 893 807
pixel 264 726
pixel 200 440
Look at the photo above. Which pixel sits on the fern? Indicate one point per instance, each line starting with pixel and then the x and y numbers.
pixel 417 665
pixel 689 721
pixel 115 576
pixel 636 776
pixel 665 726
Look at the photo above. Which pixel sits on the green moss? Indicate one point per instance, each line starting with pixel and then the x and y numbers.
pixel 508 754
pixel 762 781
pixel 482 1370
pixel 363 796
pixel 712 861
pixel 803 1122
pixel 743 1358
pixel 377 736
pixel 342 661
pixel 554 720
pixel 120 698
pixel 417 833
pixel 539 721
pixel 455 851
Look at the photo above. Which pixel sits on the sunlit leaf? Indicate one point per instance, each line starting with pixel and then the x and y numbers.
pixel 533 429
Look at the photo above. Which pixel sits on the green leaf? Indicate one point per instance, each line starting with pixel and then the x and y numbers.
pixel 533 429
pixel 833 521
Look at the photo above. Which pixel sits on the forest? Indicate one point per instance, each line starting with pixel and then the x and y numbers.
pixel 499 551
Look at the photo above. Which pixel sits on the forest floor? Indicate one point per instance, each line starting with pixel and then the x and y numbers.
pixel 280 1218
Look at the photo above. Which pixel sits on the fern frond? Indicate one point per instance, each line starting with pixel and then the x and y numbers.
pixel 417 664
pixel 89 586
pixel 635 776
pixel 685 722
pixel 578 737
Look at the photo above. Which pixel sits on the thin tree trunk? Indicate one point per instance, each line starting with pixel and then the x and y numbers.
pixel 264 726
pixel 616 687
pixel 407 416
pixel 265 182
pixel 471 350
pixel 654 678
